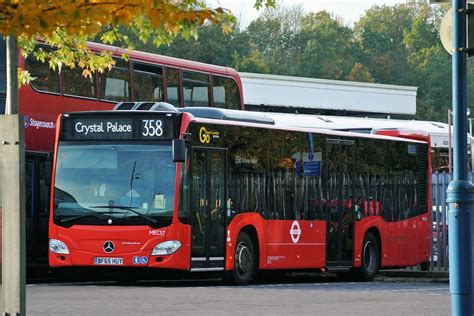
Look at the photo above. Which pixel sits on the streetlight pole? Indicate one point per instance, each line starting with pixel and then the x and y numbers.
pixel 450 143
pixel 460 193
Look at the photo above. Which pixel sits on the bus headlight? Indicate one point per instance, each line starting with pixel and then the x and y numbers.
pixel 166 248
pixel 57 246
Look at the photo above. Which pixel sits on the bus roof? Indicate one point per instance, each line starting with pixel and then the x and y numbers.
pixel 171 61
pixel 438 131
pixel 311 123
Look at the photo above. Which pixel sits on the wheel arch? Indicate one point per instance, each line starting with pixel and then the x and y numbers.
pixel 252 232
pixel 370 264
pixel 373 225
pixel 375 231
pixel 253 225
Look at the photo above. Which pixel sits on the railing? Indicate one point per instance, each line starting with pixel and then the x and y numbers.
pixel 439 257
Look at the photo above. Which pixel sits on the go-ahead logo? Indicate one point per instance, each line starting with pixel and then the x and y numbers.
pixel 295 232
pixel 206 135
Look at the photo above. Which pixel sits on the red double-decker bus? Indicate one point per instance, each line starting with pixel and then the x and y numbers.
pixel 144 76
pixel 201 189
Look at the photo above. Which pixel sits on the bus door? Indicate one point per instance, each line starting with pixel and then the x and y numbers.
pixel 340 202
pixel 208 218
pixel 37 189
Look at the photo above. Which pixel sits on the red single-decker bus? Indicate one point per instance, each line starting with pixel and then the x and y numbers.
pixel 202 189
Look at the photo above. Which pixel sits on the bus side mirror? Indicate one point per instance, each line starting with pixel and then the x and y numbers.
pixel 179 150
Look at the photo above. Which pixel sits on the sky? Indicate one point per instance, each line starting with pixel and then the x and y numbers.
pixel 349 10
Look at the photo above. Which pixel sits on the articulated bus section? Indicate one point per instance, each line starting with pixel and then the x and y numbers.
pixel 204 189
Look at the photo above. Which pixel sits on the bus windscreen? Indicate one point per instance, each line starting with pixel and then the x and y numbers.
pixel 114 184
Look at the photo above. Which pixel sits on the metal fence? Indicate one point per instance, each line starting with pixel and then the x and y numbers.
pixel 439 258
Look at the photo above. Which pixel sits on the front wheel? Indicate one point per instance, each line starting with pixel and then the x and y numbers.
pixel 244 260
pixel 370 258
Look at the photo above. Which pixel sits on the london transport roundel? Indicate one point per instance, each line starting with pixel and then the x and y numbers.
pixel 295 232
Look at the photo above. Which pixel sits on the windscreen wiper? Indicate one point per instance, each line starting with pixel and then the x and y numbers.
pixel 127 208
pixel 83 215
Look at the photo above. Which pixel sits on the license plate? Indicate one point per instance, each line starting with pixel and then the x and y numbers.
pixel 108 260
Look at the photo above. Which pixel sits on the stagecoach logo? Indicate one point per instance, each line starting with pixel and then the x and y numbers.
pixel 206 135
pixel 295 232
pixel 29 121
pixel 109 246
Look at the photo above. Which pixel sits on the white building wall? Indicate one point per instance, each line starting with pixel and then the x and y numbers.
pixel 297 92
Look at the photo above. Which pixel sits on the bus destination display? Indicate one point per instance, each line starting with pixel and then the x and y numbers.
pixel 106 128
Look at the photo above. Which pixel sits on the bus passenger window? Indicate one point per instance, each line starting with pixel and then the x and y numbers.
pixel 147 82
pixel 226 93
pixel 172 86
pixel 74 83
pixel 115 83
pixel 43 78
pixel 195 89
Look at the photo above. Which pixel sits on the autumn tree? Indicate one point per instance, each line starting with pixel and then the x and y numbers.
pixel 68 25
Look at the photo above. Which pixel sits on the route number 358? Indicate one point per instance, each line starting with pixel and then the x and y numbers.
pixel 152 128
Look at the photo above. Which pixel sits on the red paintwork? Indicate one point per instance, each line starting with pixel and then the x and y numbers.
pixel 46 107
pixel 306 253
pixel 86 242
pixel 92 238
pixel 405 133
pixel 417 229
pixel 276 247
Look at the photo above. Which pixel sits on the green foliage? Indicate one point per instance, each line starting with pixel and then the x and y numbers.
pixel 68 25
pixel 253 63
pixel 360 73
pixel 390 44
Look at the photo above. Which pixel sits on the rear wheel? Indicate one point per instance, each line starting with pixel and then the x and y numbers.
pixel 370 258
pixel 244 260
pixel 425 266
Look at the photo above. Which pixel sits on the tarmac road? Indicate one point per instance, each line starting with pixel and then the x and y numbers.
pixel 293 296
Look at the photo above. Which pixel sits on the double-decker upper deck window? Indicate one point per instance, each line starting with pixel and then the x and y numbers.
pixel 226 93
pixel 74 83
pixel 115 83
pixel 43 78
pixel 172 86
pixel 147 82
pixel 195 89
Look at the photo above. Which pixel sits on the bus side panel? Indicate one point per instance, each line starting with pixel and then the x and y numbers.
pixel 41 111
pixel 254 220
pixel 420 239
pixel 181 259
pixel 282 244
pixel 397 243
pixel 361 228
pixel 295 244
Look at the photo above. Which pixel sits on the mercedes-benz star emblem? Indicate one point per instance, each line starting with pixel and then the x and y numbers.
pixel 109 246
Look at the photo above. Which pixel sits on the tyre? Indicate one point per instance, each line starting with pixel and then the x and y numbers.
pixel 425 266
pixel 370 258
pixel 244 260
